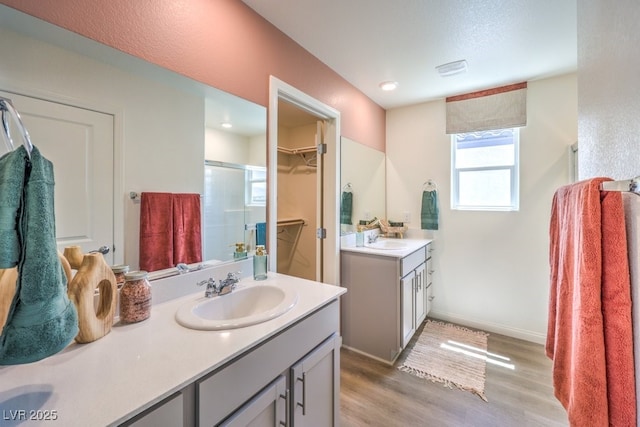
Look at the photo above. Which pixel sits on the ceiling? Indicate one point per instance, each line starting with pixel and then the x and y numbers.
pixel 370 41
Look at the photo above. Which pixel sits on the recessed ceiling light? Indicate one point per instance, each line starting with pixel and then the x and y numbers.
pixel 387 86
pixel 226 125
pixel 452 68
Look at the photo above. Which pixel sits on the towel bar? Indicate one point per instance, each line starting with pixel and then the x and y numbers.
pixel 629 185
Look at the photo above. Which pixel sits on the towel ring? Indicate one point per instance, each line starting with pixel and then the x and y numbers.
pixel 6 106
pixel 347 188
pixel 429 185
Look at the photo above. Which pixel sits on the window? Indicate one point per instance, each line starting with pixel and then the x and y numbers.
pixel 484 169
pixel 256 186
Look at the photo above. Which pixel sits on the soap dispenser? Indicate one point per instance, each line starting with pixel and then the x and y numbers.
pixel 260 263
pixel 240 252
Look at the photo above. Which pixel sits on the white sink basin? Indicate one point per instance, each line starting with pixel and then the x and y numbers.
pixel 242 307
pixel 387 244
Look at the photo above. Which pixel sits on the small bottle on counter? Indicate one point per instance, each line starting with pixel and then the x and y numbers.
pixel 135 297
pixel 119 271
pixel 359 239
pixel 240 252
pixel 260 263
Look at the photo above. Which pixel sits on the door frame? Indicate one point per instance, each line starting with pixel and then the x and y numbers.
pixel 331 248
pixel 22 88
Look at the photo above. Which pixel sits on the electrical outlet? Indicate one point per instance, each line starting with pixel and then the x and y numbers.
pixel 367 215
pixel 406 217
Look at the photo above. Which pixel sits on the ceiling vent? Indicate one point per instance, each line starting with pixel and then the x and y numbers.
pixel 452 68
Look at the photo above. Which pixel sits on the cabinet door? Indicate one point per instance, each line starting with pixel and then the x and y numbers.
pixel 421 291
pixel 267 409
pixel 407 289
pixel 315 386
pixel 167 413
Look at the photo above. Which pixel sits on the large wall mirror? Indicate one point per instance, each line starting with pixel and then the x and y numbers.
pixel 159 132
pixel 362 179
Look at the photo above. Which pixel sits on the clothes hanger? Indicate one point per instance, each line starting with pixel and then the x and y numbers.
pixel 7 108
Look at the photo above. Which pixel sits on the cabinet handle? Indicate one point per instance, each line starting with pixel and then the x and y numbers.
pixel 285 396
pixel 304 393
pixel 431 298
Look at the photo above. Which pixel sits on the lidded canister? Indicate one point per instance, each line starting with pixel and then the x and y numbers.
pixel 135 297
pixel 119 271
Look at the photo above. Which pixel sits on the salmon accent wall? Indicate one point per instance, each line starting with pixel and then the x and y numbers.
pixel 222 43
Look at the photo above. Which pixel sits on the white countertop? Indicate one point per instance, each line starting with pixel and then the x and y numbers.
pixel 135 366
pixel 412 245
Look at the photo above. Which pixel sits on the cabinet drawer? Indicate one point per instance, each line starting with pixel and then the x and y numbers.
pixel 411 261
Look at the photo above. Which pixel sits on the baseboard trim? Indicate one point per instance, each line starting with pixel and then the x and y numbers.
pixel 497 328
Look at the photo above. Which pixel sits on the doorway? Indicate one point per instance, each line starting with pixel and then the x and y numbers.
pixel 80 144
pixel 303 185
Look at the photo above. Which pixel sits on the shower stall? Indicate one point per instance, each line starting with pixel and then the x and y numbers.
pixel 234 202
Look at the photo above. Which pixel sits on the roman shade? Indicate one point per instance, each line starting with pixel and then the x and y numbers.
pixel 498 108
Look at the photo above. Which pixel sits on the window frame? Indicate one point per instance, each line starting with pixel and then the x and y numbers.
pixel 514 204
pixel 250 180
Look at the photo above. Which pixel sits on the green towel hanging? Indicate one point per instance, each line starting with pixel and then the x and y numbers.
pixel 429 213
pixel 42 320
pixel 346 207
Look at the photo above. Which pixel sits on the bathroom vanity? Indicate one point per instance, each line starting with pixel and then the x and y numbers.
pixel 283 371
pixel 390 291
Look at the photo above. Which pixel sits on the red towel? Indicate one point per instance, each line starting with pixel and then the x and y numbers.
pixel 187 243
pixel 156 231
pixel 589 333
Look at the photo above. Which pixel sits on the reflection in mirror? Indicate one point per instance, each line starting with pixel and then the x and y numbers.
pixel 160 124
pixel 362 172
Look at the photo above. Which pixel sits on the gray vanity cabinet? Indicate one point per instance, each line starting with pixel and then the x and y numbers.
pixel 387 300
pixel 308 350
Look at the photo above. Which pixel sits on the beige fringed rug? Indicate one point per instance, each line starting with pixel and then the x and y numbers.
pixel 449 354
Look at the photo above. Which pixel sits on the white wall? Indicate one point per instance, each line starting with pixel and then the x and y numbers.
pixel 609 110
pixel 491 268
pixel 364 168
pixel 233 148
pixel 159 128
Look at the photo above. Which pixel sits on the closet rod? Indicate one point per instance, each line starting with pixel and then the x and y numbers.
pixel 628 185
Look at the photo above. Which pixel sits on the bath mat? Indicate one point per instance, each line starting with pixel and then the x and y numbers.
pixel 449 354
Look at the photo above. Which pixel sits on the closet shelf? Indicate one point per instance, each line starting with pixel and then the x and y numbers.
pixel 302 152
pixel 291 221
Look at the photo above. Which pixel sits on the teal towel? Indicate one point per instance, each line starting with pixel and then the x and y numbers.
pixel 42 320
pixel 11 180
pixel 261 234
pixel 345 207
pixel 429 214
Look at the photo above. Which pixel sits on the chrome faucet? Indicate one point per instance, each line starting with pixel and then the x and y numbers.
pixel 224 287
pixel 228 284
pixel 372 238
pixel 212 289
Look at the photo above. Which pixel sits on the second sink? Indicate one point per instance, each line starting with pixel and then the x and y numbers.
pixel 387 244
pixel 242 307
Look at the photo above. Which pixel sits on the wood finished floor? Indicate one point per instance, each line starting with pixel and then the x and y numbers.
pixel 375 394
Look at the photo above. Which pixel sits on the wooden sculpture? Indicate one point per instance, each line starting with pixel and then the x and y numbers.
pixel 93 272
